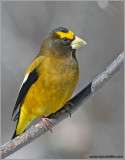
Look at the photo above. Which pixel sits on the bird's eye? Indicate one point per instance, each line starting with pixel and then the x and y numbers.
pixel 66 40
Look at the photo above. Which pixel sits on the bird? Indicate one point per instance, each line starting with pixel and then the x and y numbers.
pixel 49 81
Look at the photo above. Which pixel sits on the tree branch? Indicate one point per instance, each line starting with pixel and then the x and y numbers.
pixel 38 129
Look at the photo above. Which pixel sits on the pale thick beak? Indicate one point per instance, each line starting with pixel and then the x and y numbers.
pixel 77 42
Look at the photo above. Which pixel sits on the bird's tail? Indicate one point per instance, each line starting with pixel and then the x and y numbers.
pixel 15 135
pixel 23 122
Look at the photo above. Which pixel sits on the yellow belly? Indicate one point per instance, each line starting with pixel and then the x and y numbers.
pixel 52 90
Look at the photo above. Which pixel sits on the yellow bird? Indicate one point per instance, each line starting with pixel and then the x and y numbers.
pixel 50 79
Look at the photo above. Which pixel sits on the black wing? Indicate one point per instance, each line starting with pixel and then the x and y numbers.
pixel 31 79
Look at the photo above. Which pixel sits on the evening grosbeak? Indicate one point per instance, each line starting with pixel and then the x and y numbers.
pixel 50 79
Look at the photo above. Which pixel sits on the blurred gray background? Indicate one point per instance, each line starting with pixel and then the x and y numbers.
pixel 97 128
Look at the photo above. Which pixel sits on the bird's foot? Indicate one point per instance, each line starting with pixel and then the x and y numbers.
pixel 46 123
pixel 67 107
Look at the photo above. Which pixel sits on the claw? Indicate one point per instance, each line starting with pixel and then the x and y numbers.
pixel 46 123
pixel 67 107
pixel 70 103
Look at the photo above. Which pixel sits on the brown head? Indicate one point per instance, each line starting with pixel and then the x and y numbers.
pixel 61 42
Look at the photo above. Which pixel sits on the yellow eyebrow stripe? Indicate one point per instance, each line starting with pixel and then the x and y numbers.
pixel 69 34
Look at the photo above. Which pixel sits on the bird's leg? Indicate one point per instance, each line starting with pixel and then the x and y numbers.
pixel 67 107
pixel 46 123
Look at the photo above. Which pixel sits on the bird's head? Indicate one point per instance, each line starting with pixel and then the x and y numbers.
pixel 62 41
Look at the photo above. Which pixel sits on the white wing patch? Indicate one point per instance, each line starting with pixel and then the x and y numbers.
pixel 25 79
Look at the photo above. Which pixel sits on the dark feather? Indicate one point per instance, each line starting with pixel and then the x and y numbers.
pixel 32 78
pixel 62 29
pixel 15 135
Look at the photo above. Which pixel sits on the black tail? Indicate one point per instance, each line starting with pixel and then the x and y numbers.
pixel 16 118
pixel 14 135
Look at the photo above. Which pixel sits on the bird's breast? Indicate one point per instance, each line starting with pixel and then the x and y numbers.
pixel 55 85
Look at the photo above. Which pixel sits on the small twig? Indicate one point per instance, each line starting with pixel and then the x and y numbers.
pixel 38 130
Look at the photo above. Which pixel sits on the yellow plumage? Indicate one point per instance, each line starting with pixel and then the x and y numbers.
pixel 68 35
pixel 51 91
pixel 50 79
